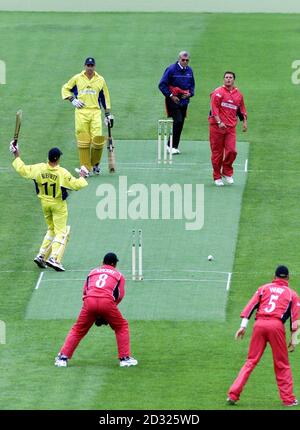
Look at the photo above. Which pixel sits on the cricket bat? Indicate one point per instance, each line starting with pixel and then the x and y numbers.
pixel 17 126
pixel 111 154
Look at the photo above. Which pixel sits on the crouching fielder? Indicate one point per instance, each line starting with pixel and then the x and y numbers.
pixel 51 185
pixel 102 292
pixel 87 91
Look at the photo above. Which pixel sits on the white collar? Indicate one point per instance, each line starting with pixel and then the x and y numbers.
pixel 182 68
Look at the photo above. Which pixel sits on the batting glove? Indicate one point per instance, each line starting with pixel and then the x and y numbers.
pixel 13 147
pixel 77 103
pixel 109 120
pixel 83 172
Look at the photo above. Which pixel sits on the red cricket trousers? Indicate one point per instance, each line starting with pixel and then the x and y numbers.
pixel 267 331
pixel 223 150
pixel 92 308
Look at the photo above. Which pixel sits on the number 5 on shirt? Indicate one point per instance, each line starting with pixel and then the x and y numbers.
pixel 272 303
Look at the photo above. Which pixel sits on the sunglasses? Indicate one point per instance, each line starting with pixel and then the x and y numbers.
pixel 90 65
pixel 184 59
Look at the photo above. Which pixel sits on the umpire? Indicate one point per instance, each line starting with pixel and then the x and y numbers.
pixel 177 85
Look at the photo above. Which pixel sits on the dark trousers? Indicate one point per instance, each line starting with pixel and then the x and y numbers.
pixel 178 113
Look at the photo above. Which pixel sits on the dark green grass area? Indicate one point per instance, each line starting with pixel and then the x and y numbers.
pixel 180 367
pixel 182 364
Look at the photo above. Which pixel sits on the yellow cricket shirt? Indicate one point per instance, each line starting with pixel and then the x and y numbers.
pixel 51 182
pixel 90 91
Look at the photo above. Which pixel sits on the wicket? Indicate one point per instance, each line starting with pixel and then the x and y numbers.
pixel 137 241
pixel 165 127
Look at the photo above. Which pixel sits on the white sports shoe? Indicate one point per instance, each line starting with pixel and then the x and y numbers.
pixel 39 260
pixel 229 179
pixel 55 265
pixel 219 182
pixel 61 360
pixel 175 151
pixel 294 403
pixel 128 361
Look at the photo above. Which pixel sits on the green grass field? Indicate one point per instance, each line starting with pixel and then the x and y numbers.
pixel 184 364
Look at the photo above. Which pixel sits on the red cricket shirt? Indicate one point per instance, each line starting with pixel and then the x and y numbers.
pixel 274 300
pixel 105 282
pixel 225 103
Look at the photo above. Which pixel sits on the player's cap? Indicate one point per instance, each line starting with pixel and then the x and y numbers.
pixel 282 272
pixel 54 154
pixel 90 60
pixel 110 258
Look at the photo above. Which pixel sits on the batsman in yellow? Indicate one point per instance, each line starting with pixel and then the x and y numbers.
pixel 88 92
pixel 51 184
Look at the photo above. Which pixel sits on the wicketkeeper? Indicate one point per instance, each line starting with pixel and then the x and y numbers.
pixel 51 184
pixel 102 292
pixel 88 92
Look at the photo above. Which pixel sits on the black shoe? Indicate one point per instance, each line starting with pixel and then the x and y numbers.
pixel 96 169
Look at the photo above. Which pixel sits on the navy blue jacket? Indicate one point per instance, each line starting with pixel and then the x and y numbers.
pixel 176 76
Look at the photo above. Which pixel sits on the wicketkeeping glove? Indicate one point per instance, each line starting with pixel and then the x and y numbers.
pixel 13 147
pixel 77 103
pixel 109 120
pixel 100 321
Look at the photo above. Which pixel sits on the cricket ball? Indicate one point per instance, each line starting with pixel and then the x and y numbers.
pixel 210 258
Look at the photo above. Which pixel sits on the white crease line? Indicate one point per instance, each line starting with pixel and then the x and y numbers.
pixel 178 163
pixel 151 270
pixel 228 281
pixel 137 163
pixel 39 281
pixel 176 167
pixel 292 172
pixel 246 165
pixel 184 270
pixel 182 280
pixel 155 270
pixel 155 168
pixel 145 279
pixel 129 271
pixel 65 279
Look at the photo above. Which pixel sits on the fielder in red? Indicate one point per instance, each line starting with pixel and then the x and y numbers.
pixel 275 303
pixel 226 106
pixel 102 292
